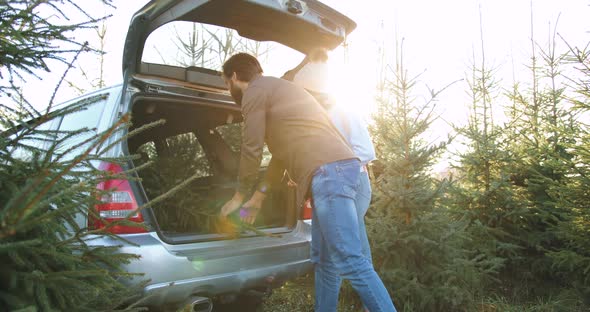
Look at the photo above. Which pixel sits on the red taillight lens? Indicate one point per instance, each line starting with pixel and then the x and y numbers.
pixel 116 205
pixel 306 212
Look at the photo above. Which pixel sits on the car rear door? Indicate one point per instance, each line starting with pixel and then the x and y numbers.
pixel 301 25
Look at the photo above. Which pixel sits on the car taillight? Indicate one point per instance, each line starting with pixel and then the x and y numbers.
pixel 306 211
pixel 116 205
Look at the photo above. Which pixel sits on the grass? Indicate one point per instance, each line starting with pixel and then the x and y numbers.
pixel 501 304
pixel 298 295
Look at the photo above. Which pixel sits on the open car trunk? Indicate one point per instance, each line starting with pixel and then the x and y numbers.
pixel 194 158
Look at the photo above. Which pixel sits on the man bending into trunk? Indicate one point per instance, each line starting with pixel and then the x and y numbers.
pixel 302 140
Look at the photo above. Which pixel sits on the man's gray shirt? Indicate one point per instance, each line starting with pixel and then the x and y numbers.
pixel 297 130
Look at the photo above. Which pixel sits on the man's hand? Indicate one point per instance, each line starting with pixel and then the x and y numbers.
pixel 251 208
pixel 232 205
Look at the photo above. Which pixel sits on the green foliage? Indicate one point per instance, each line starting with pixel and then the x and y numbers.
pixel 420 252
pixel 564 302
pixel 511 232
pixel 183 175
pixel 428 263
pixel 504 218
pixel 516 184
pixel 48 182
pixel 47 262
pixel 34 32
pixel 545 133
pixel 189 209
pixel 483 190
pixel 570 260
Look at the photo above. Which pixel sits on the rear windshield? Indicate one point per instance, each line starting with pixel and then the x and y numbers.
pixel 186 44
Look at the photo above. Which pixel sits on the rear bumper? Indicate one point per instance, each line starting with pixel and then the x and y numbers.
pixel 229 283
pixel 177 272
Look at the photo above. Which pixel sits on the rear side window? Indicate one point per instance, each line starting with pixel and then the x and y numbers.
pixel 44 137
pixel 88 113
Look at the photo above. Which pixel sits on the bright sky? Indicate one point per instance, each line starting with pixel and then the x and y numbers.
pixel 440 39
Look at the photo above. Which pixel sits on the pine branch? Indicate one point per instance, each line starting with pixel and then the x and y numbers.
pixel 5 229
pixel 63 76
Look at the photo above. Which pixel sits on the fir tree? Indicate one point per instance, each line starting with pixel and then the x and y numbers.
pixel 540 127
pixel 571 259
pixel 35 32
pixel 483 192
pixel 419 250
pixel 47 263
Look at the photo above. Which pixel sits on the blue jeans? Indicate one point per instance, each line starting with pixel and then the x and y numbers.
pixel 340 247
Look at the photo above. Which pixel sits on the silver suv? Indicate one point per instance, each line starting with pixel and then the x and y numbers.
pixel 172 53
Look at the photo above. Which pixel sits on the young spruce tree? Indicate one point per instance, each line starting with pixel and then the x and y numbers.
pixel 540 130
pixel 418 248
pixel 571 259
pixel 47 263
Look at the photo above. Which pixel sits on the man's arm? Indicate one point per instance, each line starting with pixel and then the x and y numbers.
pixel 253 131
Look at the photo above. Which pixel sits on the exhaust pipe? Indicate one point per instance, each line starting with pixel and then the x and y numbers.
pixel 199 304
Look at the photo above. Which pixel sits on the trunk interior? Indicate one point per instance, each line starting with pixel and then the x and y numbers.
pixel 200 142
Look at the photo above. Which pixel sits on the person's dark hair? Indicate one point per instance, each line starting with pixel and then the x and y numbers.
pixel 244 65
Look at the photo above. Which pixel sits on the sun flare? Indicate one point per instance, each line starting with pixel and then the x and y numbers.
pixel 350 90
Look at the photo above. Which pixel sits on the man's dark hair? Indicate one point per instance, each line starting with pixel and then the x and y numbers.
pixel 244 65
